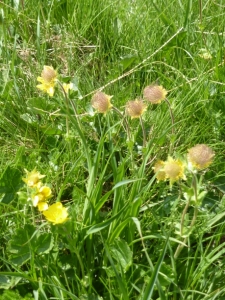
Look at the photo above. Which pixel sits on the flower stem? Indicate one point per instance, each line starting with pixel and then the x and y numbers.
pixel 124 120
pixel 67 107
pixel 143 131
pixel 194 218
pixel 172 121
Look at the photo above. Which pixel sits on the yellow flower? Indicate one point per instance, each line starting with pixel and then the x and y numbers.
pixel 155 94
pixel 158 170
pixel 67 87
pixel 174 169
pixel 101 102
pixel 200 156
pixel 48 80
pixel 42 194
pixel 56 213
pixel 135 108
pixel 42 206
pixel 33 178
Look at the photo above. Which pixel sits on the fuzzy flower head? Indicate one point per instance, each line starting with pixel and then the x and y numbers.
pixel 174 169
pixel 159 170
pixel 48 80
pixel 135 108
pixel 33 178
pixel 56 213
pixel 42 195
pixel 101 102
pixel 155 94
pixel 200 156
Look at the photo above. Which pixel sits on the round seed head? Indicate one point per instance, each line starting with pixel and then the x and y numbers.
pixel 135 108
pixel 48 74
pixel 200 156
pixel 154 93
pixel 101 102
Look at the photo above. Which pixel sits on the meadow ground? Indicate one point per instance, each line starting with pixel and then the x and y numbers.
pixel 112 149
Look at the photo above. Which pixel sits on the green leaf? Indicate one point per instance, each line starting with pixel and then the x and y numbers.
pixel 124 182
pixel 7 282
pixel 121 252
pixel 127 61
pixel 150 286
pixel 215 219
pixel 45 243
pixel 28 241
pixel 29 118
pixel 118 230
pixel 10 181
pixel 220 183
pixel 20 245
pixel 166 275
pixel 39 105
pixel 100 226
pixel 7 198
pixel 51 130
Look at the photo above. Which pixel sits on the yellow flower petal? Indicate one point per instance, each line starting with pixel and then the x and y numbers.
pixel 174 169
pixel 56 213
pixel 158 170
pixel 41 195
pixel 33 178
pixel 42 206
pixel 48 80
pixel 67 87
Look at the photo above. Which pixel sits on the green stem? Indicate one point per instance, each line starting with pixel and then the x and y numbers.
pixel 127 129
pixel 183 216
pixel 80 261
pixel 77 124
pixel 143 131
pixel 180 246
pixel 124 120
pixel 173 122
pixel 67 107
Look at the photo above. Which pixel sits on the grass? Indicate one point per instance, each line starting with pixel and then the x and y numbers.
pixel 128 236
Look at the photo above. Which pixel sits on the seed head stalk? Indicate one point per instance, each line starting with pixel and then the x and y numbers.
pixel 181 246
pixel 143 131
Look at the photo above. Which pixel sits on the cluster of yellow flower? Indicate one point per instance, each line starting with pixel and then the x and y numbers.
pixel 199 157
pixel 153 94
pixel 100 101
pixel 40 194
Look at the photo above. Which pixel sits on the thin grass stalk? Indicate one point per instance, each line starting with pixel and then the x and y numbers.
pixel 171 114
pixel 138 66
pixel 143 131
pixel 181 246
pixel 124 120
